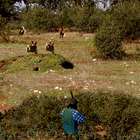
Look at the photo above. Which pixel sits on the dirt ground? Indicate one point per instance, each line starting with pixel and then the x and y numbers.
pixel 16 48
pixel 3 105
pixel 89 75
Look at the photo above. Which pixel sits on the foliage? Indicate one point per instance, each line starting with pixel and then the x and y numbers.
pixel 5 29
pixel 62 15
pixel 54 4
pixel 30 62
pixel 120 24
pixel 7 8
pixel 127 19
pixel 96 20
pixel 39 19
pixel 108 41
pixel 83 15
pixel 86 18
pixel 117 113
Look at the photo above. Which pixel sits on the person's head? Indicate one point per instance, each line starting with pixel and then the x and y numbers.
pixel 73 104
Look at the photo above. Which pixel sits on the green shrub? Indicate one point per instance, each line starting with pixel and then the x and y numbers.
pixel 108 41
pixel 117 113
pixel 5 29
pixel 37 19
pixel 86 18
pixel 96 19
pixel 121 23
pixel 63 18
pixel 127 19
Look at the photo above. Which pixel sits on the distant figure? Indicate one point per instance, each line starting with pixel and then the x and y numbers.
pixel 22 31
pixel 62 33
pixel 32 48
pixel 71 117
pixel 50 47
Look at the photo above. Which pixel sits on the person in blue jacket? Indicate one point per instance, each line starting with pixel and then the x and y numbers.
pixel 71 116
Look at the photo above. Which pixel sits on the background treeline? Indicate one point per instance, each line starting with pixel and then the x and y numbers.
pixel 120 21
pixel 82 15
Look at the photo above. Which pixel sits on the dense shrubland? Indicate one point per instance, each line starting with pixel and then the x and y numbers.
pixel 118 114
pixel 127 19
pixel 121 24
pixel 86 18
pixel 5 29
pixel 108 41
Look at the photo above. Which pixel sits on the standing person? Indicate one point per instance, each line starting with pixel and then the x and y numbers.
pixel 71 117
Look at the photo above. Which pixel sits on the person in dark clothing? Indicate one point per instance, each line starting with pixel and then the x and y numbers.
pixel 71 116
pixel 62 32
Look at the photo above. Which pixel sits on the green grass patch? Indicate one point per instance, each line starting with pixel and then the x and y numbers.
pixel 40 62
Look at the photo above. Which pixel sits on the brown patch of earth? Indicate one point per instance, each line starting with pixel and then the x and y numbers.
pixel 99 130
pixel 84 62
pixel 101 133
pixel 3 105
pixel 3 63
pixel 2 66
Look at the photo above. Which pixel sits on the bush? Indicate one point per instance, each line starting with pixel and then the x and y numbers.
pixel 108 41
pixel 118 114
pixel 96 19
pixel 121 23
pixel 63 18
pixel 37 19
pixel 5 29
pixel 86 18
pixel 127 19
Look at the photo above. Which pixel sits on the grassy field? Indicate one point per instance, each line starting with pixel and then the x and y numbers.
pixel 89 74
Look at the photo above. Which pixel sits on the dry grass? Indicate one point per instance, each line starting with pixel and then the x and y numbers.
pixel 88 75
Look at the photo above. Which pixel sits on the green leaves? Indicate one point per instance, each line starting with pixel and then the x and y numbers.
pixel 5 29
pixel 127 17
pixel 108 41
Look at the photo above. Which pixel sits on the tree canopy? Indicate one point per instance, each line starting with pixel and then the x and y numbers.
pixel 7 7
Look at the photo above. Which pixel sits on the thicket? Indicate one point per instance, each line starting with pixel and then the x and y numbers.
pixel 5 29
pixel 118 114
pixel 38 19
pixel 87 18
pixel 121 23
pixel 108 41
pixel 127 19
pixel 7 8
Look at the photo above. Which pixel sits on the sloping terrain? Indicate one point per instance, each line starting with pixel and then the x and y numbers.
pixel 31 62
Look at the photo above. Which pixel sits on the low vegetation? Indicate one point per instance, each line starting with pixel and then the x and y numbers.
pixel 108 42
pixel 39 117
pixel 38 62
pixel 5 29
